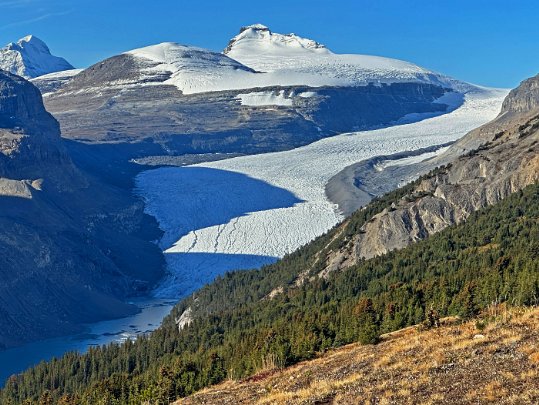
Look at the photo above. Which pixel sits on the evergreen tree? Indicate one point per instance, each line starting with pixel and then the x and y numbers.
pixel 369 331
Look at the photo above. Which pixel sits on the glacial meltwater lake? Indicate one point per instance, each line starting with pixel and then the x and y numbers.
pixel 153 310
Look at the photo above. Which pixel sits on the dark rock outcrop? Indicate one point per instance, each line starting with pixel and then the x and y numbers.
pixel 72 248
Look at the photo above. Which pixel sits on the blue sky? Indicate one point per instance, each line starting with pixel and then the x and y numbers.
pixel 492 43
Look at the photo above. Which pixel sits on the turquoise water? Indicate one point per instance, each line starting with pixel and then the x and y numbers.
pixel 16 360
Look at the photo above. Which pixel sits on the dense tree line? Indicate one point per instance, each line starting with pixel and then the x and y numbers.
pixel 239 330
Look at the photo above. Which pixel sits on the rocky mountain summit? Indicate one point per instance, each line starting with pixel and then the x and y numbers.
pixel 71 247
pixel 256 34
pixel 30 57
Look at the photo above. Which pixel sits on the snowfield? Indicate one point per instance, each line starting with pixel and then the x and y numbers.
pixel 51 82
pixel 258 58
pixel 247 211
pixel 267 98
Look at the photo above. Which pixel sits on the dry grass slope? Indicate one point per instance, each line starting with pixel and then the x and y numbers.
pixel 454 364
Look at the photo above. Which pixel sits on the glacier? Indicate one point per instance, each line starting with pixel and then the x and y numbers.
pixel 246 212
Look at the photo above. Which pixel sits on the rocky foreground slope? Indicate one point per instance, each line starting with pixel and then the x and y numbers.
pixel 453 364
pixel 71 247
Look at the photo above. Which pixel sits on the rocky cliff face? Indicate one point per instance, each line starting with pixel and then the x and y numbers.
pixel 481 169
pixel 524 99
pixel 69 245
pixel 30 137
pixel 20 108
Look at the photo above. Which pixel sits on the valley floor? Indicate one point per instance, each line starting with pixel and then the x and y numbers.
pixel 248 211
pixel 453 364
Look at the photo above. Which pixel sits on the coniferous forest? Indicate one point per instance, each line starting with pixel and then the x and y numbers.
pixel 239 330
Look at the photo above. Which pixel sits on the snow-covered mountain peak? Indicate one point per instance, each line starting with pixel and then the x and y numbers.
pixel 291 57
pixel 30 57
pixel 260 58
pixel 258 38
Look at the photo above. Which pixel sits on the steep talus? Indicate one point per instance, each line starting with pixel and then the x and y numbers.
pixel 71 247
pixel 481 169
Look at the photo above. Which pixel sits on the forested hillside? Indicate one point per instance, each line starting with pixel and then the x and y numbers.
pixel 493 257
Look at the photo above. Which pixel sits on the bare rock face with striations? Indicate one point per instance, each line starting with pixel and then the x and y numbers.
pixel 481 169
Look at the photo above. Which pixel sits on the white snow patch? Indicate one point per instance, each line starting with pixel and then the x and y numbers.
pixel 64 74
pixel 266 98
pixel 50 82
pixel 196 254
pixel 307 94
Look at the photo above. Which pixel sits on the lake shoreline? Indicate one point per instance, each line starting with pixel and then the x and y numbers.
pixel 152 312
